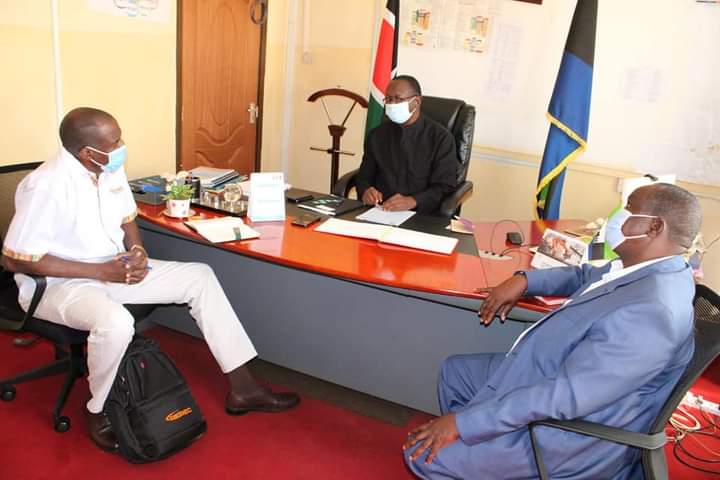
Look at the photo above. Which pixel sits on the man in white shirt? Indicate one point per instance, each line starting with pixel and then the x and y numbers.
pixel 611 354
pixel 74 223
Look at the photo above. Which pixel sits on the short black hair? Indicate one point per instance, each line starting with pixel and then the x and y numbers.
pixel 412 81
pixel 679 208
pixel 81 128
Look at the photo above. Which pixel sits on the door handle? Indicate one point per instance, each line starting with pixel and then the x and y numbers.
pixel 263 12
pixel 254 112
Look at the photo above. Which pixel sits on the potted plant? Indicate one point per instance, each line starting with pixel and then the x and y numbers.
pixel 178 194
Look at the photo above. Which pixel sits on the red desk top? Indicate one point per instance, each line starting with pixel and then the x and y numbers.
pixel 457 274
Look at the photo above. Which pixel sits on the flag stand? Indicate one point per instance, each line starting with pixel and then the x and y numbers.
pixel 336 131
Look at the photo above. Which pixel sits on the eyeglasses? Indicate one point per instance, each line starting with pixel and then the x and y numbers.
pixel 387 100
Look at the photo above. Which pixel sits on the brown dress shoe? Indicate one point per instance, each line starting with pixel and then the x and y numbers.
pixel 261 401
pixel 101 431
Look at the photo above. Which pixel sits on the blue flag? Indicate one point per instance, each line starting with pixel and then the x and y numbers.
pixel 569 110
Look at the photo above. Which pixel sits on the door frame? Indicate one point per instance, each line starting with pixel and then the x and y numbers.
pixel 178 85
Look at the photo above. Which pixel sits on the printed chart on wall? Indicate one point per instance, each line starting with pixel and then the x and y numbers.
pixel 462 25
pixel 655 102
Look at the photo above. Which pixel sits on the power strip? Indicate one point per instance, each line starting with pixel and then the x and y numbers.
pixel 492 255
pixel 697 401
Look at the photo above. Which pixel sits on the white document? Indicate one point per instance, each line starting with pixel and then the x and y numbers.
pixel 223 229
pixel 378 215
pixel 246 187
pixel 458 227
pixel 352 229
pixel 266 197
pixel 419 240
pixel 389 234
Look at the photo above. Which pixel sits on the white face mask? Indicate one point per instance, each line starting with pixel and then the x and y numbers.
pixel 614 235
pixel 399 112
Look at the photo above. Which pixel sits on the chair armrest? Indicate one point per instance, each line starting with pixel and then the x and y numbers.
pixel 450 204
pixel 14 325
pixel 344 184
pixel 644 441
pixel 40 284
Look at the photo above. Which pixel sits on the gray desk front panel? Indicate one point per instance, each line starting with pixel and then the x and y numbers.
pixel 389 343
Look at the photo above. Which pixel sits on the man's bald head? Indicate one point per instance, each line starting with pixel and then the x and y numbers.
pixel 85 126
pixel 678 207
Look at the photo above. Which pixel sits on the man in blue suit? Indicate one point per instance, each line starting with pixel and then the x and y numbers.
pixel 611 354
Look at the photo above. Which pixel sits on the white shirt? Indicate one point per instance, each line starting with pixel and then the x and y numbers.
pixel 616 271
pixel 64 210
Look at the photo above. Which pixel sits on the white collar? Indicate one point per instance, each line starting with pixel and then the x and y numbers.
pixel 617 270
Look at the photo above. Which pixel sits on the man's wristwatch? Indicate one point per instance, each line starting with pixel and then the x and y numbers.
pixel 139 247
pixel 522 273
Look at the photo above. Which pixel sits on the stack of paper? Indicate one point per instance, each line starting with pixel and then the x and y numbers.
pixel 223 229
pixel 211 177
pixel 389 234
pixel 378 215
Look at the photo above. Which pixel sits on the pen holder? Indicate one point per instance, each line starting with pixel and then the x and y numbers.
pixel 195 182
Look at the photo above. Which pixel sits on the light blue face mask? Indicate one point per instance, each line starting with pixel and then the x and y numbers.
pixel 116 159
pixel 614 235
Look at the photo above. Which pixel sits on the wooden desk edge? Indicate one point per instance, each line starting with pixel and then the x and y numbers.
pixel 183 230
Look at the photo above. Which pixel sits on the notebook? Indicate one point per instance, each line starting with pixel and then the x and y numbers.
pixel 223 229
pixel 331 205
pixel 390 235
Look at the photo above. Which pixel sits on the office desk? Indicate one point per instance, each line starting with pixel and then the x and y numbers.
pixel 374 318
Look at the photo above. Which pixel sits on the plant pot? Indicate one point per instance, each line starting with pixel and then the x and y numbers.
pixel 178 208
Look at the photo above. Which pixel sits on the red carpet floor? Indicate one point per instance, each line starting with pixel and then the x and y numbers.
pixel 314 441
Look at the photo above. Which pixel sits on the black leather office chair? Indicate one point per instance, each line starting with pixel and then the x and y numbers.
pixel 707 348
pixel 459 118
pixel 69 343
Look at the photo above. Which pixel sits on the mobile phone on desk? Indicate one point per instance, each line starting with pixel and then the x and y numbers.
pixel 296 196
pixel 306 219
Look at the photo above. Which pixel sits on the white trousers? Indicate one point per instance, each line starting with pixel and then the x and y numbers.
pixel 97 307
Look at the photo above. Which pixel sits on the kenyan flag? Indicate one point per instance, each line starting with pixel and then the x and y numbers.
pixel 385 65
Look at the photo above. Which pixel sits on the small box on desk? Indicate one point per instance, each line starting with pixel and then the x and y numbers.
pixel 148 190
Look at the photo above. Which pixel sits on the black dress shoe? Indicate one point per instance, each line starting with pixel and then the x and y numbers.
pixel 101 431
pixel 261 401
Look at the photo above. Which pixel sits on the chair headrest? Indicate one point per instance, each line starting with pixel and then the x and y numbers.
pixel 442 110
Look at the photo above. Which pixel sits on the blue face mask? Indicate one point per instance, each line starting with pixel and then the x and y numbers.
pixel 116 159
pixel 614 235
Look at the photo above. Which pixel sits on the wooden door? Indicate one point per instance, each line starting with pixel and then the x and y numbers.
pixel 219 75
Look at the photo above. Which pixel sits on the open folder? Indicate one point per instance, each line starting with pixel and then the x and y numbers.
pixel 389 234
pixel 223 229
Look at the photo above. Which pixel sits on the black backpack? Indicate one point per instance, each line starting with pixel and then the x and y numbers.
pixel 150 406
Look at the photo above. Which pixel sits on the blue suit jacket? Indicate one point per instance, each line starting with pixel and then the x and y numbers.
pixel 611 356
